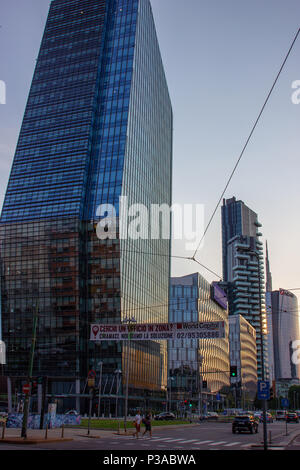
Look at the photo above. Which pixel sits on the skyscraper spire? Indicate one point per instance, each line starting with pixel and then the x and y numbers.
pixel 268 272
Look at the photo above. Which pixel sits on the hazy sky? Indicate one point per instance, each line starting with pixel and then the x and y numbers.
pixel 220 57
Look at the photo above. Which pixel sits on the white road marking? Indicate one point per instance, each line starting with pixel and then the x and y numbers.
pixel 217 443
pixel 160 439
pixel 232 444
pixel 202 442
pixel 191 440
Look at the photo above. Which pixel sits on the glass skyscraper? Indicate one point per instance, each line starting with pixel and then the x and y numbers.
pixel 97 126
pixel 243 270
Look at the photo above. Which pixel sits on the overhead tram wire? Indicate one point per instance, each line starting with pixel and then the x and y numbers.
pixel 188 258
pixel 247 141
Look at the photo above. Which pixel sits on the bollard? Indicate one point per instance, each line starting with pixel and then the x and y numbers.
pixel 3 430
pixel 46 433
pixel 62 431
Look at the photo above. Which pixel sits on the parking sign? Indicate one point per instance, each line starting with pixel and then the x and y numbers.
pixel 263 390
pixel 285 403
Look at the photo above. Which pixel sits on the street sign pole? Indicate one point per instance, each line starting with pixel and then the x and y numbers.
pixel 44 393
pixel 263 394
pixel 285 404
pixel 90 410
pixel 30 368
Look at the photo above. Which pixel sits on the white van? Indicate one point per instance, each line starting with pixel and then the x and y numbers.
pixel 280 415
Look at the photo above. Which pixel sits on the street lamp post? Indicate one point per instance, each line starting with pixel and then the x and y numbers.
pixel 127 321
pixel 100 386
pixel 118 372
pixel 200 378
pixel 170 395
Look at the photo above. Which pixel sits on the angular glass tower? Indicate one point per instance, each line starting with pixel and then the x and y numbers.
pixel 97 126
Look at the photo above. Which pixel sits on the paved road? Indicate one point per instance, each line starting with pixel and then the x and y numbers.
pixel 204 436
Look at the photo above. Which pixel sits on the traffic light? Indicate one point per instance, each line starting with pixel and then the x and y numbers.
pixel 34 387
pixel 204 384
pixel 271 393
pixel 233 371
pixel 190 405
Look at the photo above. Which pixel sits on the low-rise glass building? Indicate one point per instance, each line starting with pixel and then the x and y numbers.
pixel 197 365
pixel 242 344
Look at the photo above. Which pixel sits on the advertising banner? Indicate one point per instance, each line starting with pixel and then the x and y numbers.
pixel 157 331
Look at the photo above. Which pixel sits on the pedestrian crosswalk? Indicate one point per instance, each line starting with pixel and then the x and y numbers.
pixel 193 443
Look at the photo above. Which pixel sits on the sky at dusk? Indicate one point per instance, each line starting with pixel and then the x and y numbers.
pixel 220 59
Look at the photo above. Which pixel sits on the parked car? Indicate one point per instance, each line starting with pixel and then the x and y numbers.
pixel 211 415
pixel 72 412
pixel 280 415
pixel 268 416
pixel 246 413
pixel 292 418
pixel 165 416
pixel 245 423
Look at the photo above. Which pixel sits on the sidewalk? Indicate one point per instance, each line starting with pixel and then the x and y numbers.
pixel 280 441
pixel 36 436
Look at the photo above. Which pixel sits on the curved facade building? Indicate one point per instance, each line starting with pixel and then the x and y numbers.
pixel 285 320
pixel 192 299
pixel 242 338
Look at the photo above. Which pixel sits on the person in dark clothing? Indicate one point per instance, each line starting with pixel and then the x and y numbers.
pixel 147 423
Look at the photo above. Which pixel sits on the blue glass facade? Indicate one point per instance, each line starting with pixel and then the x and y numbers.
pixel 97 125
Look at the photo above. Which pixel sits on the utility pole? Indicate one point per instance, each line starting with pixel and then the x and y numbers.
pixel 30 368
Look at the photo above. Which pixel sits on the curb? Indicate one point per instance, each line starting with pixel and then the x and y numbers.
pixel 23 441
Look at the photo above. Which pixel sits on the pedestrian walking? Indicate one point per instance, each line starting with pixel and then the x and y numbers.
pixel 147 423
pixel 137 424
